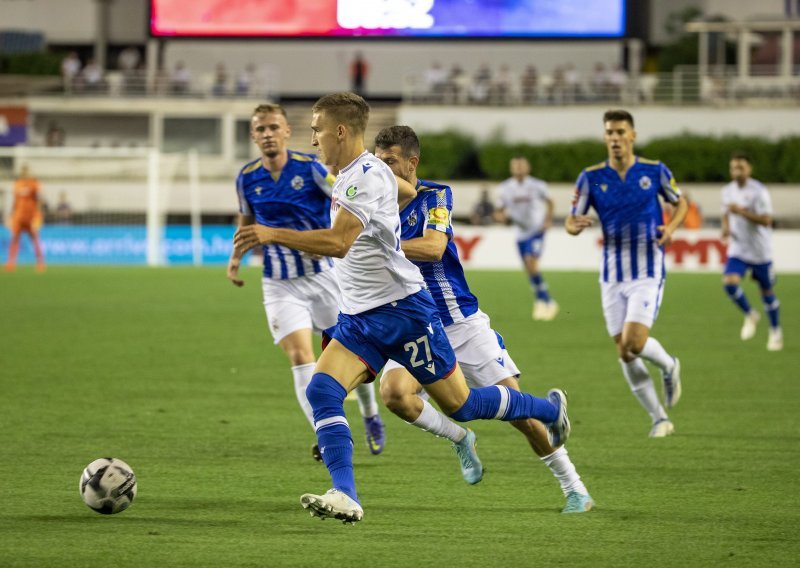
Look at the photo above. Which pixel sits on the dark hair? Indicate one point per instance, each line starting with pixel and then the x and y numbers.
pixel 345 108
pixel 616 115
pixel 740 155
pixel 403 136
pixel 269 108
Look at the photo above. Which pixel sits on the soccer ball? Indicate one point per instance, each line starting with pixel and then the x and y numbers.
pixel 108 485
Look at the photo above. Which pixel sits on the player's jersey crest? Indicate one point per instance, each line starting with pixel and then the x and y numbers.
pixel 412 219
pixel 298 199
pixel 630 213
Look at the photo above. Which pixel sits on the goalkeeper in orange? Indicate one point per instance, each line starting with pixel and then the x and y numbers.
pixel 26 215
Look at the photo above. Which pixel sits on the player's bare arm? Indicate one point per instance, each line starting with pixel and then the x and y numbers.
pixel 677 218
pixel 236 256
pixel 429 247
pixel 765 220
pixel 575 224
pixel 500 216
pixel 548 220
pixel 406 192
pixel 334 242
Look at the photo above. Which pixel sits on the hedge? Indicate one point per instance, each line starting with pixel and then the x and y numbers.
pixel 692 158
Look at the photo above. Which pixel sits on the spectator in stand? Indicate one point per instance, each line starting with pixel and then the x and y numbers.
pixel 70 68
pixel 244 81
pixel 55 136
pixel 359 69
pixel 481 85
pixel 128 59
pixel 501 86
pixel 128 62
pixel 572 83
pixel 92 77
pixel 558 87
pixel 457 85
pixel 529 85
pixel 63 212
pixel 220 86
pixel 436 80
pixel 617 81
pixel 180 80
pixel 599 82
pixel 483 212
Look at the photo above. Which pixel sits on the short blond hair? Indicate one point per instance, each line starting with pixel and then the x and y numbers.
pixel 345 108
pixel 269 108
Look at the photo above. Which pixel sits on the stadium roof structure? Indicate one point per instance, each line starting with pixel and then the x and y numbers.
pixel 746 33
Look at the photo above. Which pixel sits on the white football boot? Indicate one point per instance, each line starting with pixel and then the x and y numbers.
pixel 662 428
pixel 749 325
pixel 775 341
pixel 334 504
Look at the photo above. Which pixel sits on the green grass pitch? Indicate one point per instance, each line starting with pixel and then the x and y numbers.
pixel 173 371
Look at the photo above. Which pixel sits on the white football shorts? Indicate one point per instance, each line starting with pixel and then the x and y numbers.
pixel 636 301
pixel 479 350
pixel 305 302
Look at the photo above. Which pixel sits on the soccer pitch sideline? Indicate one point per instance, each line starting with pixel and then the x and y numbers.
pixel 173 371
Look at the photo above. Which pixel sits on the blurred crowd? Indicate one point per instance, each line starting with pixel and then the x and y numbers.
pixel 565 84
pixel 129 77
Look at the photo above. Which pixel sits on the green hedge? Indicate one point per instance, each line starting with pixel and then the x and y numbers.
pixel 31 63
pixel 692 158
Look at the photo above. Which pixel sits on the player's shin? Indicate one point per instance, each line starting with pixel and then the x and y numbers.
pixel 326 397
pixel 502 403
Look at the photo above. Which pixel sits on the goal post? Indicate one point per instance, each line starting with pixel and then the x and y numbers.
pixel 110 205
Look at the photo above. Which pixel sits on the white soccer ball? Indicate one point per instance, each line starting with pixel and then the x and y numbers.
pixel 108 485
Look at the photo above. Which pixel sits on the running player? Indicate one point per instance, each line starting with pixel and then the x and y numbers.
pixel 284 188
pixel 427 240
pixel 26 216
pixel 525 200
pixel 624 192
pixel 385 311
pixel 747 224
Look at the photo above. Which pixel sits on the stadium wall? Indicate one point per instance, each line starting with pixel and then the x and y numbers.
pixel 479 247
pixel 547 124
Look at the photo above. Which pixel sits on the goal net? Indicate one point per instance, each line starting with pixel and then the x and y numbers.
pixel 114 206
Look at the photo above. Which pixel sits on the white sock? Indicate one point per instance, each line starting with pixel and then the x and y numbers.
pixel 642 387
pixel 302 376
pixel 565 472
pixel 366 400
pixel 657 355
pixel 433 421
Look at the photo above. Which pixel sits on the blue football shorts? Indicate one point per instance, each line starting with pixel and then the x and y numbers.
pixel 764 274
pixel 408 331
pixel 532 246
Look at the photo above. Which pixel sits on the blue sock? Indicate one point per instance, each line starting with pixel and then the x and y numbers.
pixel 771 305
pixel 540 286
pixel 737 295
pixel 326 397
pixel 502 403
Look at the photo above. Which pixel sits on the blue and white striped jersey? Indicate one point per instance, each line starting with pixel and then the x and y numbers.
pixel 630 213
pixel 431 210
pixel 299 199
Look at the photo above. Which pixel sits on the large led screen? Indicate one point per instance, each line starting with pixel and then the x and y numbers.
pixel 388 18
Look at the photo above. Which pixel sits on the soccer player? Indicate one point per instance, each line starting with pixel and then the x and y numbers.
pixel 284 188
pixel 26 216
pixel 427 235
pixel 525 200
pixel 385 311
pixel 747 224
pixel 624 192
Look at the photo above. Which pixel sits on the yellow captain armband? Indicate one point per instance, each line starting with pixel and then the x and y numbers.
pixel 438 216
